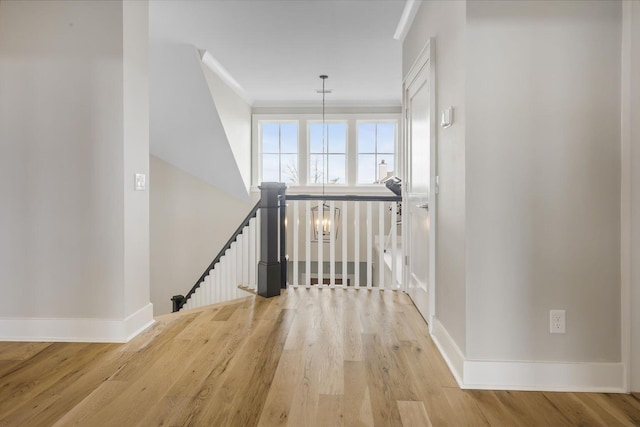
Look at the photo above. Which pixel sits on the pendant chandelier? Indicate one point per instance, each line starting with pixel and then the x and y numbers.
pixel 326 222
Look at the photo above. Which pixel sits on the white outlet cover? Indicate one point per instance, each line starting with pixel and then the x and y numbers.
pixel 557 322
pixel 140 182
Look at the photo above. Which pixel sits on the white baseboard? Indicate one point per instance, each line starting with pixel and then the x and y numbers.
pixel 78 329
pixel 449 350
pixel 524 375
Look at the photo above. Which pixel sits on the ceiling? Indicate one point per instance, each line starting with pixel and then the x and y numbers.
pixel 276 49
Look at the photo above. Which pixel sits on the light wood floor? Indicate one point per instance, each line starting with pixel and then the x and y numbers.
pixel 308 358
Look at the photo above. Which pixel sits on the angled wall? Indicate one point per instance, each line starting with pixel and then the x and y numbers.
pixel 186 129
pixel 235 117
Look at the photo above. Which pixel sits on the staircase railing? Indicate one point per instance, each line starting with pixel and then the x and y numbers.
pixel 348 240
pixel 248 261
pixel 344 240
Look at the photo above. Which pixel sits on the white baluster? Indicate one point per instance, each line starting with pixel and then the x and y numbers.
pixel 257 248
pixel 245 257
pixel 307 257
pixel 216 283
pixel 232 267
pixel 344 244
pixel 381 245
pixel 238 266
pixel 356 242
pixel 296 230
pixel 239 262
pixel 207 289
pixel 394 244
pixel 332 244
pixel 252 253
pixel 369 245
pixel 224 276
pixel 319 218
pixel 229 268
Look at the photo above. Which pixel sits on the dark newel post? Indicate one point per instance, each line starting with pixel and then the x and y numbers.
pixel 269 270
pixel 178 302
pixel 283 238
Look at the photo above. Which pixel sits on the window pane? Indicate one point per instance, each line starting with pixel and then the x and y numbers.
pixel 289 171
pixel 366 168
pixel 315 138
pixel 386 137
pixel 337 138
pixel 337 172
pixel 316 166
pixel 289 137
pixel 366 138
pixel 389 160
pixel 270 168
pixel 270 138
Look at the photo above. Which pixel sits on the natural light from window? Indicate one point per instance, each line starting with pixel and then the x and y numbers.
pixel 279 152
pixel 376 148
pixel 329 161
pixel 353 152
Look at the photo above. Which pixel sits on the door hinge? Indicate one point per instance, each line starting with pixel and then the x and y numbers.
pixel 437 184
pixel 406 260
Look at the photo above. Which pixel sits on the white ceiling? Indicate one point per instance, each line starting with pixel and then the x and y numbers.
pixel 276 49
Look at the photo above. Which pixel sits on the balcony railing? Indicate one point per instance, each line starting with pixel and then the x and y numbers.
pixel 343 240
pixel 305 240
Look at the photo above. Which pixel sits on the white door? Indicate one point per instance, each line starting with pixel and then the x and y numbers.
pixel 418 202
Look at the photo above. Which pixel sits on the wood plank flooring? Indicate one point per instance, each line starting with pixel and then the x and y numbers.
pixel 311 357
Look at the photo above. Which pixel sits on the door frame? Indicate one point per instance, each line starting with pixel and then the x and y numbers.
pixel 425 62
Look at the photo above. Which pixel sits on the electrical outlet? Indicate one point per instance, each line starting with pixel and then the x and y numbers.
pixel 140 182
pixel 557 322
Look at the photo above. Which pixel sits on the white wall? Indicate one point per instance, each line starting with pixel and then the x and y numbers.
pixel 631 109
pixel 235 116
pixel 445 20
pixel 64 109
pixel 543 179
pixel 136 153
pixel 190 221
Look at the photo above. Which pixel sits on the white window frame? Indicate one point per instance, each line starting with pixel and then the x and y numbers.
pixel 257 173
pixel 303 119
pixel 395 146
pixel 346 151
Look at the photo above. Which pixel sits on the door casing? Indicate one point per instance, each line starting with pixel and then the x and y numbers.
pixel 425 63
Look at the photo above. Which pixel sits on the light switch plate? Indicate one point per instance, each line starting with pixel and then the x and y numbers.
pixel 140 182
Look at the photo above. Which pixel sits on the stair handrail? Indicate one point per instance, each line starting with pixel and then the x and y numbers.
pixel 180 300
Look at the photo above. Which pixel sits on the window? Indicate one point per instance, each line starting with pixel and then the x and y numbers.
pixel 376 151
pixel 288 147
pixel 328 160
pixel 279 148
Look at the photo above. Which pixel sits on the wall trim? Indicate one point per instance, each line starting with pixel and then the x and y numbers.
pixel 527 375
pixel 448 349
pixel 406 19
pixel 76 329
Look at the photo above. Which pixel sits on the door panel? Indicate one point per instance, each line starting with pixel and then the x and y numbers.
pixel 419 186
